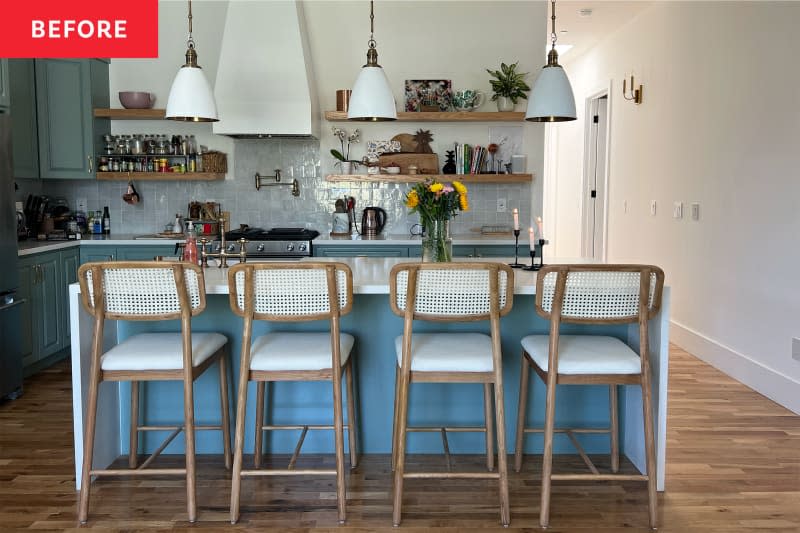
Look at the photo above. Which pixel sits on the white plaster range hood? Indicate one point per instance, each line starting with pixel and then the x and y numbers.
pixel 264 85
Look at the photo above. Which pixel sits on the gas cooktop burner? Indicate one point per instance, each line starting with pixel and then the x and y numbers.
pixel 274 234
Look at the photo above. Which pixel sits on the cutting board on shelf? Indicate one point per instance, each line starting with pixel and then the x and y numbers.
pixel 425 163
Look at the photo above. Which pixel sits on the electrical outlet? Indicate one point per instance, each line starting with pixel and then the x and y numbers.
pixel 80 204
pixel 652 208
pixel 796 349
pixel 677 210
pixel 501 205
pixel 624 206
pixel 695 211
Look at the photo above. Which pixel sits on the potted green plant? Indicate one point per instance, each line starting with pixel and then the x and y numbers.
pixel 508 86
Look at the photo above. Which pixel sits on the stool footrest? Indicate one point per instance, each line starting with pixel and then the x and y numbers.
pixel 307 472
pixel 451 475
pixel 573 430
pixel 138 472
pixel 600 477
pixel 437 429
pixel 172 428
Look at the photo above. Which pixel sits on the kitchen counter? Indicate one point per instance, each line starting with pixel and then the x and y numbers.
pixel 33 246
pixel 374 326
pixel 406 239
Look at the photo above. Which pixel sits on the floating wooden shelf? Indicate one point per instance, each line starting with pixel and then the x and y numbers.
pixel 160 176
pixel 130 114
pixel 407 178
pixel 456 116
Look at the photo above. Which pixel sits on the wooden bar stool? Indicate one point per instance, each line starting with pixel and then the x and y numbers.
pixel 151 291
pixel 291 292
pixel 450 292
pixel 591 294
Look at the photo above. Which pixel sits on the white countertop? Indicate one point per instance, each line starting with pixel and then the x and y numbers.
pixel 32 246
pixel 474 239
pixel 371 274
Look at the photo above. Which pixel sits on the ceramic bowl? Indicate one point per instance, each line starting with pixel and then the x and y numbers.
pixel 391 170
pixel 136 99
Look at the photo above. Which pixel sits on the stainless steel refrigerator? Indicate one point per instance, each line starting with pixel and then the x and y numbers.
pixel 10 312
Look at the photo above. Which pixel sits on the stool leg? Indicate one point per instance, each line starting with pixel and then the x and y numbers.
pixel 88 441
pixel 352 424
pixel 133 446
pixel 650 446
pixel 396 414
pixel 238 443
pixel 612 393
pixel 225 407
pixel 338 431
pixel 547 459
pixel 502 458
pixel 489 425
pixel 258 448
pixel 188 430
pixel 401 407
pixel 522 408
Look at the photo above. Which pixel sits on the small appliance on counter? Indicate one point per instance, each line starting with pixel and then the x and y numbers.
pixel 373 219
pixel 22 226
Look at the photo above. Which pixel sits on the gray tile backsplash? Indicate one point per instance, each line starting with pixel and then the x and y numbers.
pixel 273 206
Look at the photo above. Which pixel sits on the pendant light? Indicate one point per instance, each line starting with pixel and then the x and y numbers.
pixel 372 98
pixel 190 98
pixel 551 99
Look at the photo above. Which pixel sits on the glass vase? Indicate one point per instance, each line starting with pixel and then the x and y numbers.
pixel 437 245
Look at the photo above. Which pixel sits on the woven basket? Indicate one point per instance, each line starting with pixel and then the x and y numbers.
pixel 215 162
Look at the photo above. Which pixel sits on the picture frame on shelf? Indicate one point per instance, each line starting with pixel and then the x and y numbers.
pixel 428 95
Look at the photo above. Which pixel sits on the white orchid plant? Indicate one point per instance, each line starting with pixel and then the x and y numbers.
pixel 343 156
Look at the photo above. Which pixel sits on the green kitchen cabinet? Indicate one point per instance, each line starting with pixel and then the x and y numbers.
pixel 486 250
pixel 40 277
pixel 69 275
pixel 360 250
pixel 144 253
pixel 24 129
pixel 5 99
pixel 91 253
pixel 67 91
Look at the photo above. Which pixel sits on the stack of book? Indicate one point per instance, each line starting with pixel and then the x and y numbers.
pixel 470 159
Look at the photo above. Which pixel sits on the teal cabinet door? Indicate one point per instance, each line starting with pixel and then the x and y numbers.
pixel 360 251
pixel 144 253
pixel 24 129
pixel 25 292
pixel 91 254
pixel 66 92
pixel 47 299
pixel 496 250
pixel 69 275
pixel 5 99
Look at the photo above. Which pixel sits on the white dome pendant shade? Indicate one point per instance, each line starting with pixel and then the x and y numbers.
pixel 190 98
pixel 372 98
pixel 551 99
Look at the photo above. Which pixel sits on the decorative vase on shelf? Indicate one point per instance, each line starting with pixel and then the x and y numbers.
pixel 504 103
pixel 437 245
pixel 347 167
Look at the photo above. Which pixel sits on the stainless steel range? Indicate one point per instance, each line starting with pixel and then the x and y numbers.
pixel 276 243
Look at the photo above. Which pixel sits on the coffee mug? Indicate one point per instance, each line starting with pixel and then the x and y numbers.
pixel 468 100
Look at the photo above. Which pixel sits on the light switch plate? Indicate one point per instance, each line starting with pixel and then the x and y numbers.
pixel 796 349
pixel 501 205
pixel 695 211
pixel 677 210
pixel 652 207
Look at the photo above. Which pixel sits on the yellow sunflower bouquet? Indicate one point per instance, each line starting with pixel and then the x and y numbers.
pixel 436 204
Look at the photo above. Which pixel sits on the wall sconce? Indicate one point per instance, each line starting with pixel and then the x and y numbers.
pixel 636 93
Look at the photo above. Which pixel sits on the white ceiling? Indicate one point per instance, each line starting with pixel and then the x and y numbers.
pixel 584 32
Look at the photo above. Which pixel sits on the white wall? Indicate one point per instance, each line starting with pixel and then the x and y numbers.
pixel 720 126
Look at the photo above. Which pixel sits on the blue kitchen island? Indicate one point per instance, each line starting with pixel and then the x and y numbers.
pixel 374 327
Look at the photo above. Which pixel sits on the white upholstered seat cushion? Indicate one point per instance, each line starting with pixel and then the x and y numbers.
pixel 584 354
pixel 448 352
pixel 160 351
pixel 297 351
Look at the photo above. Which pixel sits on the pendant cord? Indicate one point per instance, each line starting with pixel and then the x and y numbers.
pixel 553 35
pixel 371 42
pixel 190 41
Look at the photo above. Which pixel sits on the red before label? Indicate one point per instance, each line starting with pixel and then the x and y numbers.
pixel 82 28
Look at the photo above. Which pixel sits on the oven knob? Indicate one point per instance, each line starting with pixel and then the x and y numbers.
pixel 231 247
pixel 260 248
pixel 302 247
pixel 290 247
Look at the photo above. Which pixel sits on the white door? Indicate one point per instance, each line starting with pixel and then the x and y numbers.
pixel 595 178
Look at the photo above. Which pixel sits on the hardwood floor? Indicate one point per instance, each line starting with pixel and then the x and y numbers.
pixel 733 465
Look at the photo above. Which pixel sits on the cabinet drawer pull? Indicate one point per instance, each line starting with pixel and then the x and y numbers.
pixel 91 164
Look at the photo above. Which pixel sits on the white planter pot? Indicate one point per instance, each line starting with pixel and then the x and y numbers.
pixel 347 167
pixel 504 103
